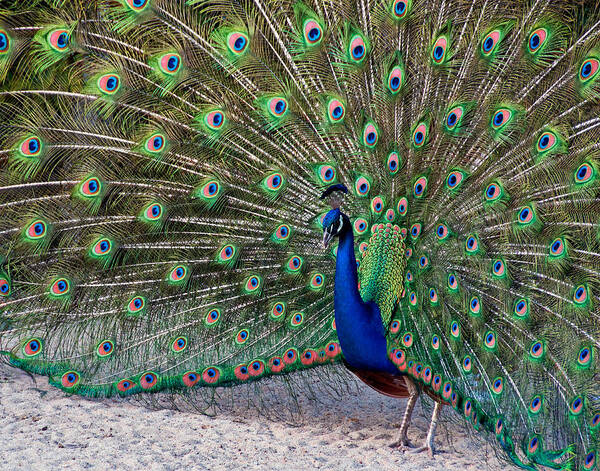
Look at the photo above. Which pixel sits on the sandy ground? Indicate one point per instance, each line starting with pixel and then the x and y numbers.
pixel 43 429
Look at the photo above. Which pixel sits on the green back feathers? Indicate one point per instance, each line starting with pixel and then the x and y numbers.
pixel 381 268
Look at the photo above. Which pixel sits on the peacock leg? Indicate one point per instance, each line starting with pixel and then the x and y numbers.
pixel 428 445
pixel 410 405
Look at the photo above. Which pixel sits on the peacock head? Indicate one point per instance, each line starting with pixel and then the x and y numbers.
pixel 334 221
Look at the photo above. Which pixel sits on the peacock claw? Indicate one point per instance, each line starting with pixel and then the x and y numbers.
pixel 428 448
pixel 403 444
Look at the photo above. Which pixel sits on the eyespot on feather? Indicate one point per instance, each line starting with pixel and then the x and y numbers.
pixel 5 289
pixel 438 52
pixel 109 84
pixel 215 119
pixel 400 9
pixel 276 364
pixel 336 110
pixel 32 347
pixel 212 317
pixel 377 205
pixel 536 40
pixel 91 187
pixel 402 206
pixel 148 380
pixel 58 40
pixel 290 356
pixel 454 117
pixel 393 163
pixel 36 230
pixel 313 32
pixel 256 368
pixel 419 135
pixel 362 186
pixel 489 42
pixel 155 143
pixel 31 147
pixel 242 336
pixel 237 42
pixel 105 348
pixel 5 42
pixel 370 135
pixel 501 118
pixel 521 308
pixel 357 49
pixel 60 287
pixel 136 304
pixel 137 5
pixel 395 79
pixel 278 106
pixel 153 212
pixel 70 379
pixel 169 63
pixel 546 142
pixel 125 385
pixel 179 344
pixel 190 378
pixel 588 69
pixel 420 187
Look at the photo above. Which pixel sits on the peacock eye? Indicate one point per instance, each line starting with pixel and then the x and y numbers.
pixel 419 135
pixel 588 69
pixel 400 8
pixel 438 53
pixel 109 84
pixel 489 42
pixel 536 39
pixel 370 135
pixel 237 42
pixel 137 5
pixel 278 106
pixel 501 118
pixel 357 49
pixel 419 187
pixel 4 42
pixel 215 119
pixel 31 147
pixel 169 63
pixel 313 33
pixel 394 81
pixel 58 39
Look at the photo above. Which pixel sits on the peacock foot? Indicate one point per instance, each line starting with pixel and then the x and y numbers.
pixel 403 444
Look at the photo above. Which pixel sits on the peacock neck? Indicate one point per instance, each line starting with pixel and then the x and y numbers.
pixel 346 295
pixel 359 326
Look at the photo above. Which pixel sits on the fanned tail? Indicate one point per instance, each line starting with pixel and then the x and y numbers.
pixel 160 170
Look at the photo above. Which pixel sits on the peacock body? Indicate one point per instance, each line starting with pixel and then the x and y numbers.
pixel 161 167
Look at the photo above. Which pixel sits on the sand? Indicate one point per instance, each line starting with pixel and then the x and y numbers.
pixel 44 429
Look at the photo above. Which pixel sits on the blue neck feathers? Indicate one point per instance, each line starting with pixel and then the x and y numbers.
pixel 359 326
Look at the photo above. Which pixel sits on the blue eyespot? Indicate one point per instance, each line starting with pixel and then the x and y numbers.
pixel 488 44
pixel 534 41
pixel 451 119
pixel 63 40
pixel 358 51
pixel 239 43
pixel 172 63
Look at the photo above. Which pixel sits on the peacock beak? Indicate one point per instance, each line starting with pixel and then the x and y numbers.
pixel 327 236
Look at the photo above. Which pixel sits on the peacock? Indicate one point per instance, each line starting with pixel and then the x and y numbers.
pixel 208 193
